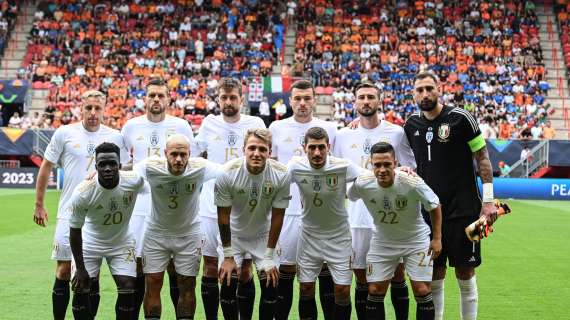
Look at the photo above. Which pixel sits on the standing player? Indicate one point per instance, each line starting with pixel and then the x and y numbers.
pixel 173 229
pixel 445 140
pixel 355 145
pixel 251 189
pixel 146 136
pixel 288 139
pixel 325 231
pixel 72 147
pixel 99 229
pixel 394 200
pixel 220 139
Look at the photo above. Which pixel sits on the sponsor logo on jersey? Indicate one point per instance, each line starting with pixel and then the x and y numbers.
pixel 170 132
pixel 332 180
pixel 429 135
pixel 316 185
pixel 417 133
pixel 232 139
pixel 128 198
pixel 113 205
pixel 401 202
pixel 141 137
pixel 288 140
pixel 77 146
pixel 154 139
pixel 304 181
pixel 99 207
pixel 443 132
pixel 217 138
pixel 240 191
pixel 373 200
pixel 190 187
pixel 267 189
pixel 353 146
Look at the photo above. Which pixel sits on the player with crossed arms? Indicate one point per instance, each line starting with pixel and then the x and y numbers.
pixel 99 229
pixel 173 227
pixel 252 190
pixel 394 199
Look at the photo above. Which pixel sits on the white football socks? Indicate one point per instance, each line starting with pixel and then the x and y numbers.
pixel 469 298
pixel 437 292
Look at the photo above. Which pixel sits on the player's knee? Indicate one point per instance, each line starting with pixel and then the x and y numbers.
pixel 360 275
pixel 307 289
pixel 464 273
pixel 210 267
pixel 153 282
pixel 125 282
pixel 291 269
pixel 377 288
pixel 186 284
pixel 439 273
pixel 399 274
pixel 63 270
pixel 341 293
pixel 421 288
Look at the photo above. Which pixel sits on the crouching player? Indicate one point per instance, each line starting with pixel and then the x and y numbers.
pixel 102 207
pixel 394 200
pixel 253 190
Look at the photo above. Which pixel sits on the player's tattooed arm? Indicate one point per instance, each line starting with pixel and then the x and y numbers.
pixel 484 165
pixel 224 226
pixel 488 210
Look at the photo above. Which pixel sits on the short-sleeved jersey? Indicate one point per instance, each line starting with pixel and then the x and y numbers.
pixel 73 149
pixel 175 199
pixel 252 196
pixel 396 210
pixel 323 193
pixel 104 214
pixel 223 142
pixel 288 139
pixel 356 144
pixel 144 138
pixel 443 149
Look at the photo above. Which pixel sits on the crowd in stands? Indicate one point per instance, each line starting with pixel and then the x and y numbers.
pixel 116 46
pixel 8 14
pixel 486 53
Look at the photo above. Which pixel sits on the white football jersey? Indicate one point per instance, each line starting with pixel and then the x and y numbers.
pixel 323 193
pixel 396 210
pixel 104 214
pixel 223 142
pixel 355 144
pixel 175 199
pixel 252 196
pixel 73 149
pixel 144 138
pixel 288 140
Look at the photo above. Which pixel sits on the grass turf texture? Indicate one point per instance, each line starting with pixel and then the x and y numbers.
pixel 523 276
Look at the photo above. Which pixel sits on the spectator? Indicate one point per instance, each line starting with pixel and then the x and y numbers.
pixel 536 131
pixel 264 111
pixel 548 131
pixel 15 120
pixel 505 168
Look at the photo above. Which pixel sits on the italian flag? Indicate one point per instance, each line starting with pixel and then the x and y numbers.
pixel 276 84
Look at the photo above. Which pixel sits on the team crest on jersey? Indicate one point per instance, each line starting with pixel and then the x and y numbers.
pixel 113 205
pixel 366 146
pixel 232 139
pixel 443 131
pixel 91 148
pixel 253 193
pixel 154 139
pixel 267 189
pixel 401 202
pixel 302 140
pixel 429 135
pixel 128 198
pixel 173 188
pixel 386 203
pixel 316 185
pixel 190 187
pixel 332 180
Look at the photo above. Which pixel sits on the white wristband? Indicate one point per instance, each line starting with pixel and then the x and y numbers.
pixel 228 253
pixel 488 192
pixel 269 253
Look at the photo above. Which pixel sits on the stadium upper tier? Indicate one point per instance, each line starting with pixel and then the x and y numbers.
pixel 116 46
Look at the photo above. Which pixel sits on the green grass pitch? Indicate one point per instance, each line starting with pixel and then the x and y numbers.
pixel 524 273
